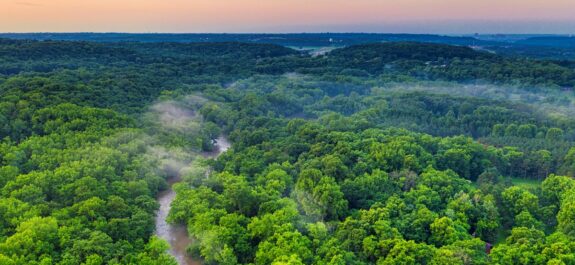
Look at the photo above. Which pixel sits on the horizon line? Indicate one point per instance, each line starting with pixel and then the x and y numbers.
pixel 280 33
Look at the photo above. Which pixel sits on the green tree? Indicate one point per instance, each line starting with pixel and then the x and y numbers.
pixel 443 232
pixel 319 196
pixel 281 245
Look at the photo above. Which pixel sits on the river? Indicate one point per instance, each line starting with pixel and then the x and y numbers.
pixel 177 235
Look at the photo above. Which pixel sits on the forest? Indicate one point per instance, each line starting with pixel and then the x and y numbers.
pixel 400 152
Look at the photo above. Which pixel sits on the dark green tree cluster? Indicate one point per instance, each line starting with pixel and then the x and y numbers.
pixel 439 61
pixel 309 194
pixel 80 190
pixel 540 142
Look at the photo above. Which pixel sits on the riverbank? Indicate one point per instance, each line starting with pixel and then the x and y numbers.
pixel 176 234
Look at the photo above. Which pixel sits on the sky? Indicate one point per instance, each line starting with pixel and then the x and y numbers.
pixel 237 16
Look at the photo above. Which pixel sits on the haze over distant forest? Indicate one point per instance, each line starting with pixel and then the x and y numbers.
pixel 416 132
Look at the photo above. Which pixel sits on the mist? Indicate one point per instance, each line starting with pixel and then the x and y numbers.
pixel 550 101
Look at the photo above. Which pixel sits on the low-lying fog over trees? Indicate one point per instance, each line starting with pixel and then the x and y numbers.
pixel 383 153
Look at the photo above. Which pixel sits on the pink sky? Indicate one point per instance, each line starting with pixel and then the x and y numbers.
pixel 554 16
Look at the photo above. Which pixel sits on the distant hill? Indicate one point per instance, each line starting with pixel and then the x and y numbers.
pixel 392 51
pixel 293 40
pixel 376 58
pixel 550 41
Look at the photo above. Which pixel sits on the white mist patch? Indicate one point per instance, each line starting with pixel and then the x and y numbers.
pixel 176 116
pixel 231 84
pixel 171 161
pixel 293 76
pixel 173 120
pixel 551 101
pixel 171 115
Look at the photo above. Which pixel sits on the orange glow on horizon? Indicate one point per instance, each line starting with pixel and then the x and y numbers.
pixel 262 15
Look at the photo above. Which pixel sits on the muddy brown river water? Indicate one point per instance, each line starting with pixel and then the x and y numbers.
pixel 177 235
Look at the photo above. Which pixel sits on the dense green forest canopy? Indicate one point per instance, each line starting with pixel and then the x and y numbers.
pixel 554 47
pixel 293 39
pixel 385 153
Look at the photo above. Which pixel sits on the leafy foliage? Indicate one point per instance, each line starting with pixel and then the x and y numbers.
pixel 332 162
